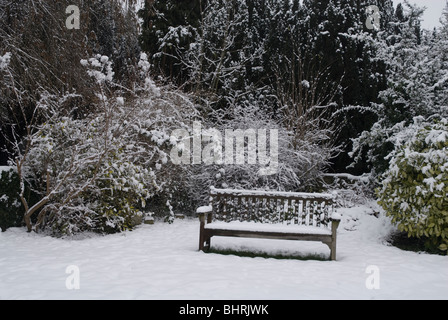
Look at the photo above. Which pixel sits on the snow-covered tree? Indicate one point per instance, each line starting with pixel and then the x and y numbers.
pixel 417 80
pixel 225 60
pixel 169 27
pixel 336 39
pixel 45 55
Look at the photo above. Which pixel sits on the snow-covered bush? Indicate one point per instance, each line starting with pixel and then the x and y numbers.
pixel 414 189
pixel 295 164
pixel 97 172
pixel 87 171
pixel 350 190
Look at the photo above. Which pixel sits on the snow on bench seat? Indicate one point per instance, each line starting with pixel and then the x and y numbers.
pixel 264 227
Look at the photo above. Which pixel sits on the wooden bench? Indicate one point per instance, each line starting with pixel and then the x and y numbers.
pixel 269 215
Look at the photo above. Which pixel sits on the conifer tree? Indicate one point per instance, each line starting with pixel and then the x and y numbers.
pixel 169 27
pixel 417 81
pixel 339 41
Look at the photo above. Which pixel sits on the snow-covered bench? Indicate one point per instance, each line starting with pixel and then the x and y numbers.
pixel 270 215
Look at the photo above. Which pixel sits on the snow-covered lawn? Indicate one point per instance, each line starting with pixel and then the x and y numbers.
pixel 161 261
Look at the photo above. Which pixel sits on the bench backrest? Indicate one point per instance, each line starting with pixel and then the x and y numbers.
pixel 311 209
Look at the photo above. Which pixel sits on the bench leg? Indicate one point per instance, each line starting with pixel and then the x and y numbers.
pixel 204 236
pixel 333 251
pixel 334 227
pixel 204 240
pixel 207 243
pixel 201 242
pixel 201 232
pixel 332 246
pixel 204 243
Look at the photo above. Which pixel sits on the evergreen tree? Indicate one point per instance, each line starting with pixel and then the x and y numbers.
pixel 337 39
pixel 169 27
pixel 113 33
pixel 417 76
pixel 225 63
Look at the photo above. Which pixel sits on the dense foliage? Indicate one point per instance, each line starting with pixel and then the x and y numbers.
pixel 87 115
pixel 288 56
pixel 414 189
pixel 417 77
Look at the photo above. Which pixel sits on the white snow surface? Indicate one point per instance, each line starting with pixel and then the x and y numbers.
pixel 264 227
pixel 5 168
pixel 204 209
pixel 162 261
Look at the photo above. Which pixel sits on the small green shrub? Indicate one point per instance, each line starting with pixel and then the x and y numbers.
pixel 414 188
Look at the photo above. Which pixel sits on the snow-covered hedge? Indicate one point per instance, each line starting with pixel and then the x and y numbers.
pixel 414 189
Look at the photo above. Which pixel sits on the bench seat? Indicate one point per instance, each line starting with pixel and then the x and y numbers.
pixel 268 228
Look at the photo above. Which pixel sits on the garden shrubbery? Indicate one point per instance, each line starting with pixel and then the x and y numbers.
pixel 414 188
pixel 97 172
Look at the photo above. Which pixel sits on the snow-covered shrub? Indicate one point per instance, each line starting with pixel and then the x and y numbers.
pixel 97 172
pixel 295 164
pixel 86 171
pixel 414 189
pixel 350 190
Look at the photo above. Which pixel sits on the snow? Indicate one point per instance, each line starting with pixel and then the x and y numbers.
pixel 5 60
pixel 161 261
pixel 364 178
pixel 265 227
pixel 204 209
pixel 5 168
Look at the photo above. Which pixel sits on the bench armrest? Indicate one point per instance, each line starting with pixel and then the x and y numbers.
pixel 205 215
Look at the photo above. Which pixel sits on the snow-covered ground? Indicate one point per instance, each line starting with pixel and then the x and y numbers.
pixel 161 261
